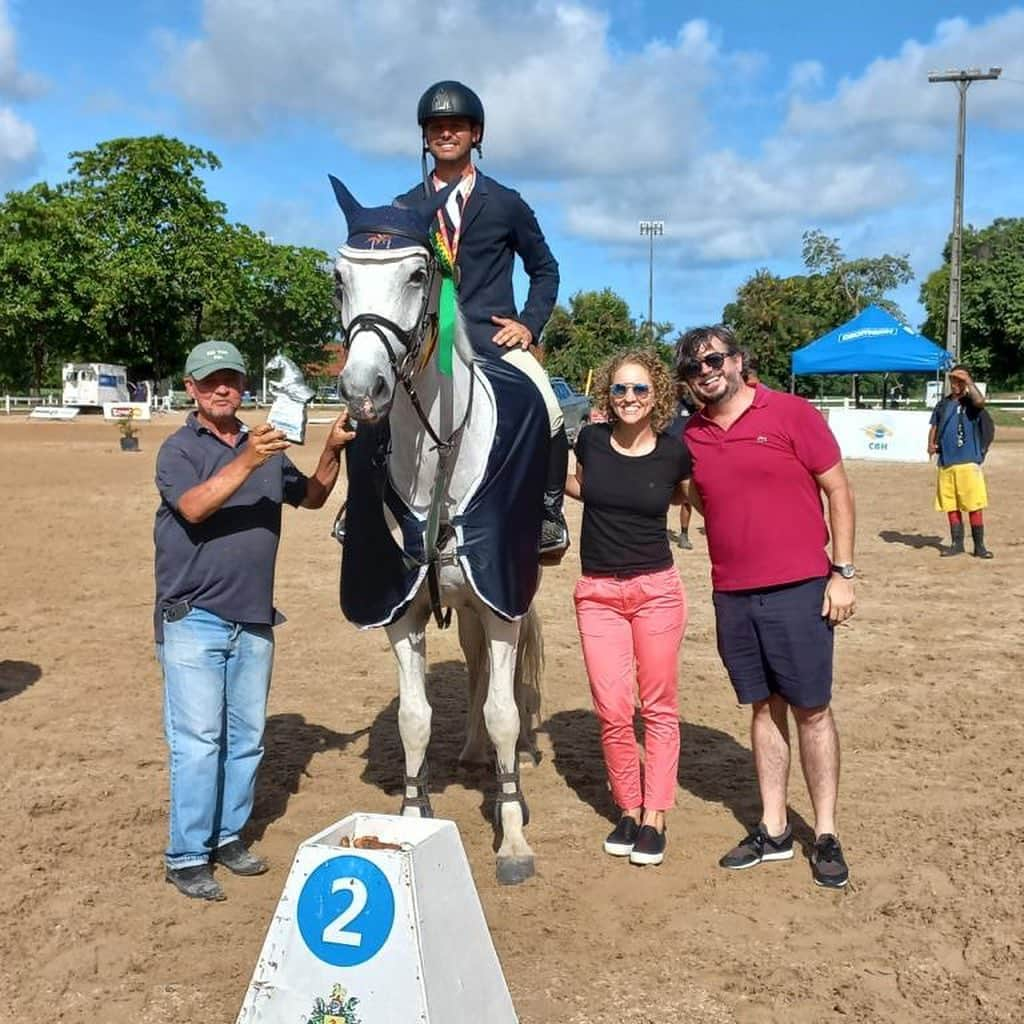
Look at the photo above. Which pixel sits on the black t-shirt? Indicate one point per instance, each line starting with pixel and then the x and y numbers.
pixel 625 502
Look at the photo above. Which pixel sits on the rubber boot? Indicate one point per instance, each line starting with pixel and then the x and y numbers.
pixel 957 547
pixel 554 533
pixel 978 536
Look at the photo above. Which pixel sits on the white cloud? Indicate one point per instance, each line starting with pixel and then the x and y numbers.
pixel 14 82
pixel 894 104
pixel 618 135
pixel 18 145
pixel 19 149
pixel 560 100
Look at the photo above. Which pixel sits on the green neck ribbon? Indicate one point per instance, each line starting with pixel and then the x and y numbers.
pixel 446 325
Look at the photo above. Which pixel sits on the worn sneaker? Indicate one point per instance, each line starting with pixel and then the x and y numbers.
pixel 828 866
pixel 238 860
pixel 197 882
pixel 649 847
pixel 684 542
pixel 759 846
pixel 621 839
pixel 554 534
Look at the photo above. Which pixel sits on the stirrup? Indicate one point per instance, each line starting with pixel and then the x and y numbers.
pixel 422 798
pixel 510 798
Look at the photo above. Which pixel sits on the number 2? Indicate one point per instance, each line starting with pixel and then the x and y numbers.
pixel 335 931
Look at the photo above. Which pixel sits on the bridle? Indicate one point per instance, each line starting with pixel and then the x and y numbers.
pixel 405 370
pixel 412 339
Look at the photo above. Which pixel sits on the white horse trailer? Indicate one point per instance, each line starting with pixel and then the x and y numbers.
pixel 92 384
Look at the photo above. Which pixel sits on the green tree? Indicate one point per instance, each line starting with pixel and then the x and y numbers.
pixel 773 315
pixel 44 268
pixel 991 300
pixel 849 286
pixel 272 298
pixel 595 325
pixel 157 245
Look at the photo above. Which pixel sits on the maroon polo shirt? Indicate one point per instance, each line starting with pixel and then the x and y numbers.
pixel 762 506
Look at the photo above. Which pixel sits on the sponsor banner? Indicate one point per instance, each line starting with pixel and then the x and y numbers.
pixel 126 410
pixel 52 412
pixel 883 435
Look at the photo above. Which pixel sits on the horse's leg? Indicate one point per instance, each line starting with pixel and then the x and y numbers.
pixel 408 640
pixel 529 670
pixel 474 648
pixel 515 858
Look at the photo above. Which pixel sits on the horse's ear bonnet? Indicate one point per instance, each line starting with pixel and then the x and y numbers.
pixel 385 227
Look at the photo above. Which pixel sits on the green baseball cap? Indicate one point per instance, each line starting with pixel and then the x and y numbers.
pixel 210 356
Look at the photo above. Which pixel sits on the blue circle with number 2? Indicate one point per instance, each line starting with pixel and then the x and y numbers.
pixel 346 910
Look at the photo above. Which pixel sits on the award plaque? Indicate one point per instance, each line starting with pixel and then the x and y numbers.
pixel 292 396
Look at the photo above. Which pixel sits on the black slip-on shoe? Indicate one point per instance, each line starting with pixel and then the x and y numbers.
pixel 758 847
pixel 196 882
pixel 620 840
pixel 238 860
pixel 649 847
pixel 828 865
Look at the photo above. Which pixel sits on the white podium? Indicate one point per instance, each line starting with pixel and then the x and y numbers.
pixel 369 935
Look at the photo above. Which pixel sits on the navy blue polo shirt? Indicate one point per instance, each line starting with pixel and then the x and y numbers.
pixel 224 564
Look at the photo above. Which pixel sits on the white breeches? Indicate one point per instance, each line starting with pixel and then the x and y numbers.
pixel 521 359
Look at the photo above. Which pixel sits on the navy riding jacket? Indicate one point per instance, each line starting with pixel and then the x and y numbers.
pixel 496 225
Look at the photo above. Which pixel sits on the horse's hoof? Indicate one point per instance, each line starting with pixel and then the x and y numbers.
pixel 514 870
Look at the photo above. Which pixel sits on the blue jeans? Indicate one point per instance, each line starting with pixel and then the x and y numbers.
pixel 216 681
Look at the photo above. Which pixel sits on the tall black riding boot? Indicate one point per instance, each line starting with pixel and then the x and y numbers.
pixel 957 547
pixel 554 534
pixel 978 536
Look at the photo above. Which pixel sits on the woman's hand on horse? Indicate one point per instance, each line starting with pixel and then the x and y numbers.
pixel 340 434
pixel 512 332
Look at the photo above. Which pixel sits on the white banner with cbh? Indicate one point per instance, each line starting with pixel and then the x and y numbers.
pixel 881 434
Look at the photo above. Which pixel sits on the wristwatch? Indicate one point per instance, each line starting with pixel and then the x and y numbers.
pixel 847 570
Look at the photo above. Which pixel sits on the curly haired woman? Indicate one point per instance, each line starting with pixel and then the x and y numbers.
pixel 630 603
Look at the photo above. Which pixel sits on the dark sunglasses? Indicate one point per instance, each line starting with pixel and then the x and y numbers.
pixel 639 390
pixel 713 361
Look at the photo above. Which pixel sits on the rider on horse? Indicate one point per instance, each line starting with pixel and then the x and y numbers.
pixel 481 228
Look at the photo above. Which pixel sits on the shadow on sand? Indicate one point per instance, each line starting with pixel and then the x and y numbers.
pixel 289 745
pixel 911 540
pixel 16 677
pixel 712 767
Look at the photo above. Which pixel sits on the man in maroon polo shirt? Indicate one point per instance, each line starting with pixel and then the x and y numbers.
pixel 761 460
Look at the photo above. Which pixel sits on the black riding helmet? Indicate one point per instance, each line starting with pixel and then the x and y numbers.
pixel 451 99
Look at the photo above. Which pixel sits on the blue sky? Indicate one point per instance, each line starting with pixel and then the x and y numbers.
pixel 739 124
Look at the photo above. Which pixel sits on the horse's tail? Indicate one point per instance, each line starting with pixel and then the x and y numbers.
pixel 529 672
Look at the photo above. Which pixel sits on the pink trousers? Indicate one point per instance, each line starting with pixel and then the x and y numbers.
pixel 631 630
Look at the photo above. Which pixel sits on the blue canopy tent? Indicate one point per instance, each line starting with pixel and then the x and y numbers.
pixel 874 341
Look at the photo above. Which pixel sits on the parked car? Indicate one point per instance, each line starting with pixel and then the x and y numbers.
pixel 575 407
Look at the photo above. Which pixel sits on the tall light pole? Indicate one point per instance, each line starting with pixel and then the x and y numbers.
pixel 651 228
pixel 963 78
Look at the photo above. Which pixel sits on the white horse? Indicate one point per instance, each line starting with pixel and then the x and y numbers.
pixel 441 429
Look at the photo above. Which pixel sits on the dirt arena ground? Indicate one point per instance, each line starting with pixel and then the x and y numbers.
pixel 932 812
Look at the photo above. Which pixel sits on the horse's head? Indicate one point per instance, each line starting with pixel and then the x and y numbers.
pixel 386 280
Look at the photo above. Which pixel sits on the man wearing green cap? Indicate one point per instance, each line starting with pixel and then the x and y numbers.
pixel 217 529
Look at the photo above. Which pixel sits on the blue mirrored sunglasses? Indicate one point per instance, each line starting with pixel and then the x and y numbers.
pixel 639 390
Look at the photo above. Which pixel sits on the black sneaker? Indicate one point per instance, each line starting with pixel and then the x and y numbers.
pixel 827 862
pixel 554 534
pixel 649 847
pixel 197 882
pixel 620 841
pixel 759 846
pixel 238 860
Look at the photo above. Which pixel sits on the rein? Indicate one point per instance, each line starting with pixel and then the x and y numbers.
pixel 405 371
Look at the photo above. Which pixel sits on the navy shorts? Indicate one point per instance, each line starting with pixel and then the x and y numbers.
pixel 776 641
